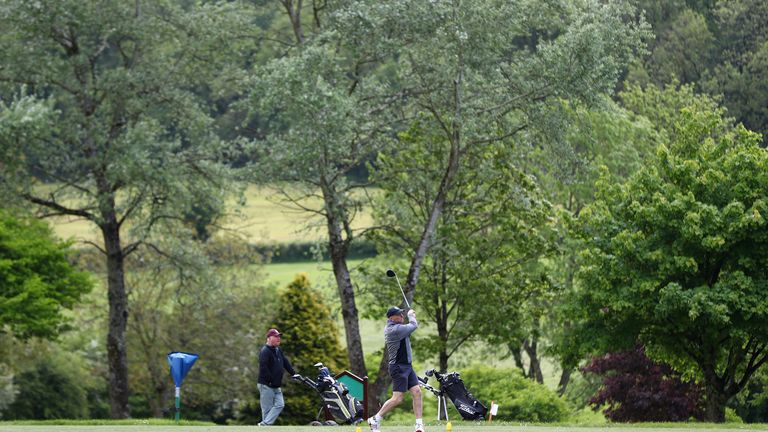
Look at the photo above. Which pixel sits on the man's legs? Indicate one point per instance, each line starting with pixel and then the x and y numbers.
pixel 416 393
pixel 272 404
pixel 391 403
pixel 375 421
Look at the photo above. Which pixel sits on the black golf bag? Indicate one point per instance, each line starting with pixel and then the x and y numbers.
pixel 453 387
pixel 344 408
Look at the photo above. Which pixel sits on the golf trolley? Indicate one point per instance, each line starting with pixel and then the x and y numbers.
pixel 453 387
pixel 344 408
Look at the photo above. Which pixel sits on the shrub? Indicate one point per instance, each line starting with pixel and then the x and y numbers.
pixel 519 398
pixel 636 389
pixel 46 392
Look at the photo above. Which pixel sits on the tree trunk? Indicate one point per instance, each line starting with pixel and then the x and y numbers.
pixel 338 249
pixel 517 356
pixel 118 319
pixel 534 369
pixel 565 378
pixel 715 395
pixel 714 404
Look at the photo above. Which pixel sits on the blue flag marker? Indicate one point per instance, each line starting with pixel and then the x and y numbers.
pixel 180 363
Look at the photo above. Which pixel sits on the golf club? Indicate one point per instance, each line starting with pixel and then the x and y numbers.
pixel 391 273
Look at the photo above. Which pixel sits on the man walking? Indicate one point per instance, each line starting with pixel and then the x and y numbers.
pixel 272 362
pixel 398 350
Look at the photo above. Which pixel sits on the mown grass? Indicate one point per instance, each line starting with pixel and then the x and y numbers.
pixel 155 425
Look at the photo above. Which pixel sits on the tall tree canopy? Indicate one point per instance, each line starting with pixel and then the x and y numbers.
pixel 130 142
pixel 676 258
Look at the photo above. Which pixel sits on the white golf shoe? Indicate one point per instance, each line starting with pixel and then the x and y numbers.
pixel 374 424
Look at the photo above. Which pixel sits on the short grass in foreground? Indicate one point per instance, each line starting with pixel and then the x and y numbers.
pixel 154 425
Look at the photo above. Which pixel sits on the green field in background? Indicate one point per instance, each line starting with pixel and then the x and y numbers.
pixel 262 219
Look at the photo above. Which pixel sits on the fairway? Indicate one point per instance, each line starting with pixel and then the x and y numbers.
pixel 460 427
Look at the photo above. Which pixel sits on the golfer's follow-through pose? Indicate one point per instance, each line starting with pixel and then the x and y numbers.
pixel 272 362
pixel 398 348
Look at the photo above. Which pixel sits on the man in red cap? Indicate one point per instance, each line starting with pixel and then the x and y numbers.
pixel 272 362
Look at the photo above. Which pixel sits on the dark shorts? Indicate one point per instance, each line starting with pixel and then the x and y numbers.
pixel 403 377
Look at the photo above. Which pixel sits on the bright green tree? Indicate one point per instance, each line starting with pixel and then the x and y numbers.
pixel 310 336
pixel 37 281
pixel 676 258
pixel 130 145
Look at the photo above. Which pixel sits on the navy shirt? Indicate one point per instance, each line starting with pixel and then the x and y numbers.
pixel 272 362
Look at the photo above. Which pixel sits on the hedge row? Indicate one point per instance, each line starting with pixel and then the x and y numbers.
pixel 303 251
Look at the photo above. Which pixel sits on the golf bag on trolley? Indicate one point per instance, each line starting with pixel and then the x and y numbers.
pixel 453 387
pixel 344 408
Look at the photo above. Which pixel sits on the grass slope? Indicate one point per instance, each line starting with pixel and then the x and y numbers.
pixel 262 219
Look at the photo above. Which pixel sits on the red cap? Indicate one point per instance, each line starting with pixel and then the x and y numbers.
pixel 273 332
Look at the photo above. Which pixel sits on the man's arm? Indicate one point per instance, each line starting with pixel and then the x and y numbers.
pixel 287 365
pixel 264 358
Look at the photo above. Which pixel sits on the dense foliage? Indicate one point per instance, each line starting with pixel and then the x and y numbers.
pixel 676 257
pixel 489 128
pixel 41 395
pixel 637 389
pixel 37 281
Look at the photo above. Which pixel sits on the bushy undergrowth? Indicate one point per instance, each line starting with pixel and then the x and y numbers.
pixel 520 399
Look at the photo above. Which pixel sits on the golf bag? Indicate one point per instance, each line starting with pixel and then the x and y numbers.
pixel 453 387
pixel 344 408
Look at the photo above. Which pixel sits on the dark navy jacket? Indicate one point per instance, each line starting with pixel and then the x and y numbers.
pixel 271 365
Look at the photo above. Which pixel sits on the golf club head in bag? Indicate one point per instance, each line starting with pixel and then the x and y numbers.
pixel 344 408
pixel 452 386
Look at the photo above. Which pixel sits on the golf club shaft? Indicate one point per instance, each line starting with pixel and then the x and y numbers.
pixel 401 290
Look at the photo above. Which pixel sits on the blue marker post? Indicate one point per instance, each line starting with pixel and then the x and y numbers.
pixel 180 363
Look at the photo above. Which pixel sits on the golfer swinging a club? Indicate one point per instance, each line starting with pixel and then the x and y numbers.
pixel 398 350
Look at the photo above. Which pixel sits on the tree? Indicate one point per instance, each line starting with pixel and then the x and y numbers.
pixel 324 114
pixel 493 229
pixel 637 389
pixel 309 337
pixel 608 136
pixel 129 143
pixel 675 258
pixel 37 280
pixel 320 133
pixel 481 73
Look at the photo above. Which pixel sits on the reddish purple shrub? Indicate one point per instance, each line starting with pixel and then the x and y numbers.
pixel 635 389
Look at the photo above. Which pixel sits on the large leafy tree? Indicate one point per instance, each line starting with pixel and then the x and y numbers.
pixel 323 112
pixel 479 73
pixel 493 229
pixel 129 144
pixel 676 258
pixel 37 280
